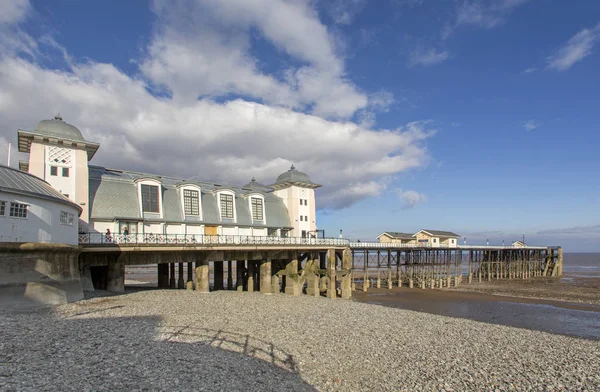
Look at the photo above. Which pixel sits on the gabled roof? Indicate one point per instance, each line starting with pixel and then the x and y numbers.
pixel 438 233
pixel 397 235
pixel 519 243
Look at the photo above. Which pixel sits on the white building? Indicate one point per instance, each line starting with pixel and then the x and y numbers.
pixel 138 203
pixel 33 211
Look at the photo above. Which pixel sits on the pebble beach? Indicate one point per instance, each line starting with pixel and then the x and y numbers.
pixel 185 341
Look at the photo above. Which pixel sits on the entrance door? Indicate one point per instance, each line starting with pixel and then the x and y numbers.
pixel 130 226
pixel 210 230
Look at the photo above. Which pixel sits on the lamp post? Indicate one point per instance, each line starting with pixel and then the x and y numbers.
pixel 341 235
pixel 523 238
pixel 487 242
pixel 465 241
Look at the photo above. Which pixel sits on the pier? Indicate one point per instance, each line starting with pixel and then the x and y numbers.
pixel 313 266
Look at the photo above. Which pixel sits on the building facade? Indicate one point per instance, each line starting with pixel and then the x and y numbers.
pixel 33 211
pixel 425 238
pixel 126 202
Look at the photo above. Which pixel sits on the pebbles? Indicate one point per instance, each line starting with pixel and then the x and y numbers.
pixel 181 340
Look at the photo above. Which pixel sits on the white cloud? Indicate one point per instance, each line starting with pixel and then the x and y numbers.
pixel 13 11
pixel 530 125
pixel 575 50
pixel 344 11
pixel 204 49
pixel 427 57
pixel 410 198
pixel 482 13
pixel 530 70
pixel 205 138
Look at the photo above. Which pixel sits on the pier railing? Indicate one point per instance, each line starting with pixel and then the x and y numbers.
pixel 201 239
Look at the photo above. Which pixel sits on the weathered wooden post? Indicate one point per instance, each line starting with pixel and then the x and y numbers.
pixel 239 274
pixel 172 282
pixel 347 274
pixel 189 285
pixel 180 281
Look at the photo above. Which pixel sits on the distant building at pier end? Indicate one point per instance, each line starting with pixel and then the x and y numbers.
pixel 128 202
pixel 429 238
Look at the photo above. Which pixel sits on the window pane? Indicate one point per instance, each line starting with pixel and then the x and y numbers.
pixel 150 198
pixel 65 172
pixel 257 208
pixel 18 210
pixel 191 202
pixel 227 206
pixel 53 170
pixel 2 207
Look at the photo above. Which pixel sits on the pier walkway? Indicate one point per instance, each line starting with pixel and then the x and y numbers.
pixel 314 266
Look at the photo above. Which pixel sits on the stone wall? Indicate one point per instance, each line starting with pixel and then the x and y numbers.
pixel 33 274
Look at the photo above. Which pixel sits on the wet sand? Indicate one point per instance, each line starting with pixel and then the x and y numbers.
pixel 565 318
pixel 570 288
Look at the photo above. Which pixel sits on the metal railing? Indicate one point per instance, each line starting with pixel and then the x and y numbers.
pixel 386 245
pixel 201 239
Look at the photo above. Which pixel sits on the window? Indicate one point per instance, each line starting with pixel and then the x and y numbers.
pixel 2 208
pixel 301 218
pixel 257 208
pixel 53 171
pixel 227 206
pixel 18 210
pixel 66 218
pixel 191 203
pixel 66 195
pixel 150 198
pixel 435 240
pixel 65 172
pixel 305 202
pixel 301 202
pixel 306 218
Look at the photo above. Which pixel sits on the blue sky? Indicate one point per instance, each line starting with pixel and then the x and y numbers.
pixel 479 117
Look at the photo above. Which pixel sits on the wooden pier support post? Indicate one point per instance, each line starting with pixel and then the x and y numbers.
pixel 229 276
pixel 347 274
pixel 250 276
pixel 180 281
pixel 218 275
pixel 331 274
pixel 265 276
pixel 239 275
pixel 163 276
pixel 189 284
pixel 559 266
pixel 172 282
pixel 202 284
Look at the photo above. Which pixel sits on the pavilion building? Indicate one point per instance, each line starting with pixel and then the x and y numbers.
pixel 123 201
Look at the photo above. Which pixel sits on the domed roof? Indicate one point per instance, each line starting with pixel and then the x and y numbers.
pixel 59 129
pixel 257 186
pixel 295 177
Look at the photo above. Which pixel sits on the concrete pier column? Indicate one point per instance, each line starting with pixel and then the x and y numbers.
pixel 389 279
pixel 86 279
pixel 180 281
pixel 250 276
pixel 163 276
pixel 448 281
pixel 291 277
pixel 115 281
pixel 172 283
pixel 189 285
pixel 229 276
pixel 239 275
pixel 275 284
pixel 265 276
pixel 218 271
pixel 410 283
pixel 323 284
pixel 432 284
pixel 470 278
pixel 202 284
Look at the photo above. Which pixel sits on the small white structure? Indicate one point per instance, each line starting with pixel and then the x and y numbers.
pixel 518 244
pixel 33 211
pixel 437 238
